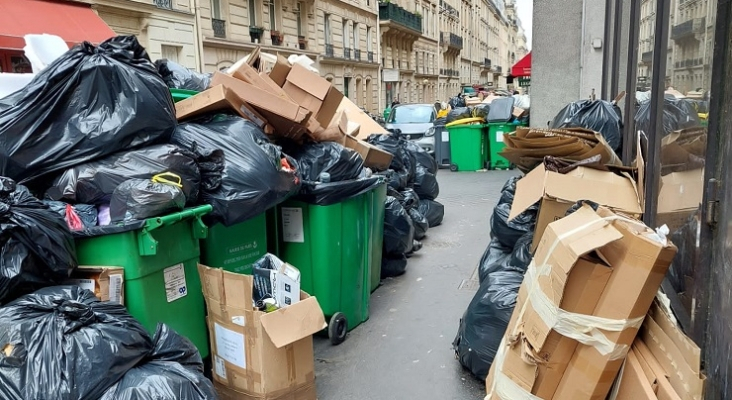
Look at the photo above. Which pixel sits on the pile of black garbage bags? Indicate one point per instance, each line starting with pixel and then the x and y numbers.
pixel 411 206
pixel 501 271
pixel 600 116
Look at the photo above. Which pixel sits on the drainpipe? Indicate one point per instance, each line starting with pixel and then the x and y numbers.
pixel 198 35
pixel 379 77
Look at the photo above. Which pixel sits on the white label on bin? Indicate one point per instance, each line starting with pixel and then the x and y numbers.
pixel 499 136
pixel 445 136
pixel 230 346
pixel 175 282
pixel 220 367
pixel 292 227
pixel 87 284
pixel 115 288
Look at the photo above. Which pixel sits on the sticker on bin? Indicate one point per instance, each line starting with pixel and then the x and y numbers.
pixel 499 136
pixel 230 346
pixel 445 136
pixel 220 367
pixel 175 282
pixel 292 226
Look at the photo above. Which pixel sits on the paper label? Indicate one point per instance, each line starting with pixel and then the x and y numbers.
pixel 292 227
pixel 230 346
pixel 87 284
pixel 445 136
pixel 499 137
pixel 115 288
pixel 175 282
pixel 219 367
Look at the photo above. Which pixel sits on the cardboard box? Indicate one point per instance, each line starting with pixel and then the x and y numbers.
pixel 314 93
pixel 107 283
pixel 558 192
pixel 307 392
pixel 680 197
pixel 633 383
pixel 373 157
pixel 638 262
pixel 258 355
pixel 217 98
pixel 367 125
pixel 245 72
pixel 280 71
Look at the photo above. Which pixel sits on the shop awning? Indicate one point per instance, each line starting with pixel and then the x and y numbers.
pixel 74 23
pixel 523 67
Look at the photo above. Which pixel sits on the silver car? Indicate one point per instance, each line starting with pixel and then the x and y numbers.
pixel 416 122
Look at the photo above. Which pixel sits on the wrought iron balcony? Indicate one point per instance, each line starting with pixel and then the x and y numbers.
pixel 688 29
pixel 451 40
pixel 255 33
pixel 346 53
pixel 498 69
pixel 219 27
pixel 370 56
pixel 357 54
pixel 397 15
pixel 487 63
pixel 329 50
pixel 166 4
pixel 647 57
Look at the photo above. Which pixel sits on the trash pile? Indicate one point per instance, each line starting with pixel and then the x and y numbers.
pixel 490 109
pixel 678 114
pixel 596 115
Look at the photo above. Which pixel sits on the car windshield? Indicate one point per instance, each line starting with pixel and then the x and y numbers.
pixel 412 115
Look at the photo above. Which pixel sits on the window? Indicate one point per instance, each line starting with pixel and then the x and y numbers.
pixel 368 39
pixel 346 86
pixel 356 38
pixel 272 19
pixel 346 35
pixel 252 12
pixel 216 9
pixel 412 114
pixel 298 17
pixel 170 52
pixel 326 29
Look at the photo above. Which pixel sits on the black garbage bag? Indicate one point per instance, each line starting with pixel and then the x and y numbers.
pixel 242 173
pixel 177 76
pixel 457 101
pixel 338 162
pixel 403 160
pixel 509 190
pixel 598 115
pixel 138 199
pixel 409 198
pixel 481 111
pixel 89 103
pixel 421 225
pixel 36 246
pixel 421 156
pixel 94 182
pixel 522 255
pixel 677 114
pixel 434 211
pixel 392 266
pixel 509 232
pixel 425 184
pixel 327 193
pixel 86 214
pixel 686 258
pixel 393 179
pixel 501 110
pixel 398 228
pixel 496 257
pixel 458 113
pixel 576 206
pixel 62 343
pixel 172 371
pixel 485 321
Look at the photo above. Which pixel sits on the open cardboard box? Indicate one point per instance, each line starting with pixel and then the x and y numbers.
pixel 314 93
pixel 373 157
pixel 680 197
pixel 107 283
pixel 219 98
pixel 255 354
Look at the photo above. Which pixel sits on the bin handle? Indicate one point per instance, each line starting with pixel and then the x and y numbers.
pixel 148 246
pixel 168 178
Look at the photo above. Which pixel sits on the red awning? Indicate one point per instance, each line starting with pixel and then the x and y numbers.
pixel 74 23
pixel 523 67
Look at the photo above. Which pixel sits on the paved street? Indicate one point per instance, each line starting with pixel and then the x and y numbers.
pixel 405 350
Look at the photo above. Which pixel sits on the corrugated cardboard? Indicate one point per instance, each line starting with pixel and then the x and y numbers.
pixel 367 125
pixel 307 392
pixel 373 157
pixel 664 389
pixel 243 71
pixel 558 192
pixel 217 98
pixel 681 191
pixel 633 382
pixel 107 283
pixel 259 355
pixel 314 93
pixel 280 71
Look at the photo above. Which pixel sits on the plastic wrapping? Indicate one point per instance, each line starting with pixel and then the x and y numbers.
pixel 398 228
pixel 457 101
pixel 501 110
pixel 172 371
pixel 485 321
pixel 36 246
pixel 432 210
pixel 495 258
pixel 261 274
pixel 94 182
pixel 87 213
pixel 392 266
pixel 481 111
pixel 138 199
pixel 89 103
pixel 598 115
pixel 677 114
pixel 243 174
pixel 458 113
pixel 425 184
pixel 177 76
pixel 62 343
pixel 421 225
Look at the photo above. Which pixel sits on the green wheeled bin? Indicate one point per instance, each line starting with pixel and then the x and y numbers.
pixel 237 247
pixel 160 260
pixel 467 147
pixel 495 145
pixel 331 246
pixel 181 94
pixel 377 199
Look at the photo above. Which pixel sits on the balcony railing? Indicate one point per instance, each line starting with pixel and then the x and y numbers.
pixel 329 50
pixel 449 72
pixel 487 63
pixel 166 4
pixel 357 54
pixel 400 16
pixel 347 53
pixel 647 57
pixel 219 27
pixel 370 56
pixel 498 69
pixel 255 33
pixel 688 29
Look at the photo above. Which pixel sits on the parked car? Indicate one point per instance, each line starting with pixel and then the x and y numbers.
pixel 416 122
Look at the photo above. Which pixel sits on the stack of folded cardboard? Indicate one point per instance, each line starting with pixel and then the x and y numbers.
pixel 527 147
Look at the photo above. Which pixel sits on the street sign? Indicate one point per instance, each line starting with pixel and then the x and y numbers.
pixel 524 82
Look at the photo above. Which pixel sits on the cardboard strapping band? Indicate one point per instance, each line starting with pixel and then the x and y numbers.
pixel 583 328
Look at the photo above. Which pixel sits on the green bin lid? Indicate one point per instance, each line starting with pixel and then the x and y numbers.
pixel 182 94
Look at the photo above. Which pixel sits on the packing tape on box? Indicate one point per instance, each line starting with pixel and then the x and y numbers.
pixel 583 328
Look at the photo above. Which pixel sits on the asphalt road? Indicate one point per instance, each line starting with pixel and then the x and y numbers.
pixel 404 351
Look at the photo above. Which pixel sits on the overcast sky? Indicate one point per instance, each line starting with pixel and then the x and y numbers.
pixel 525 10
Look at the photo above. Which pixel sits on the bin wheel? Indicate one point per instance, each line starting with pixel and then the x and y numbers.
pixel 453 167
pixel 337 328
